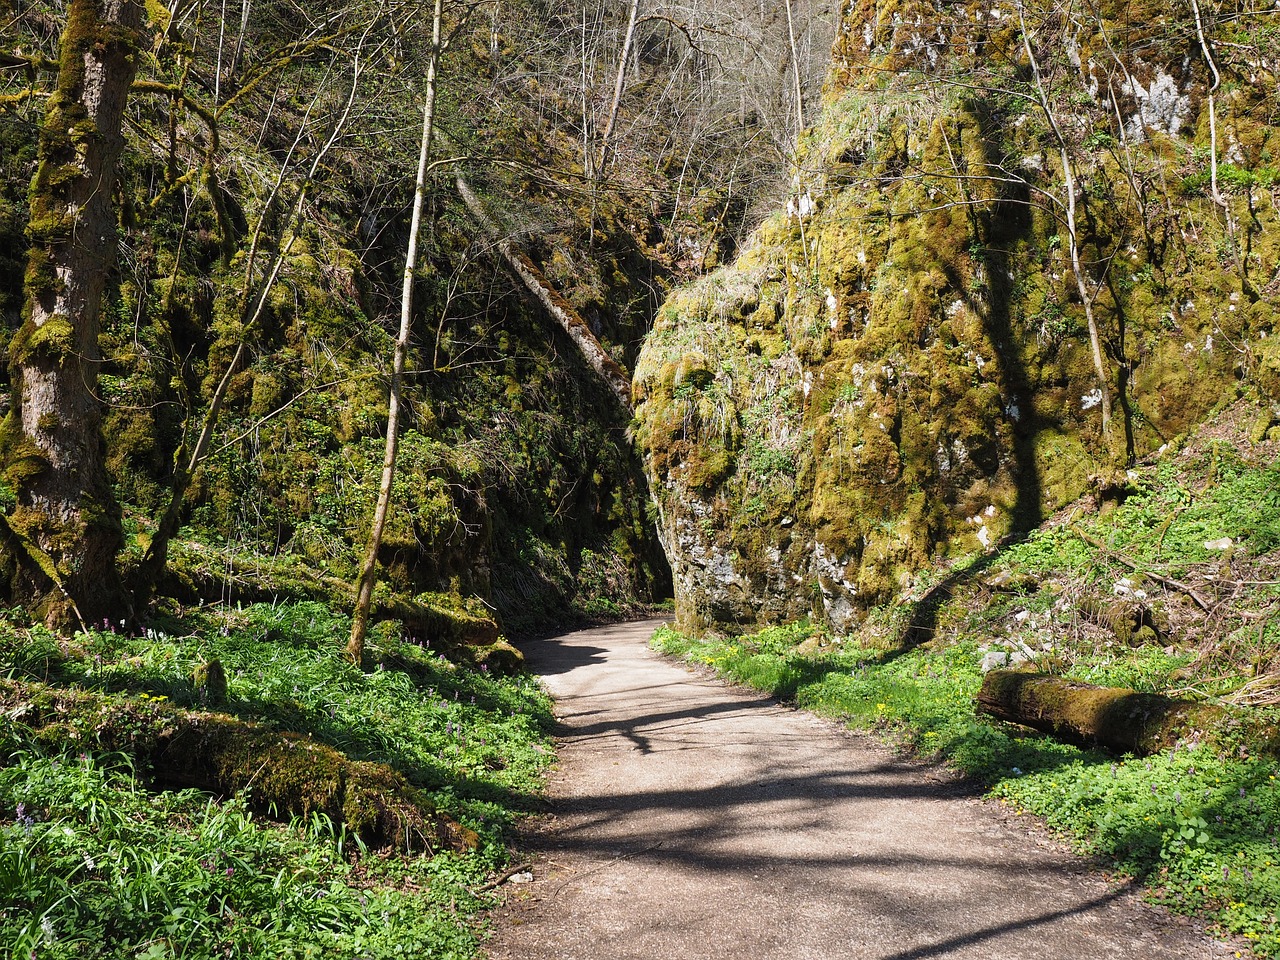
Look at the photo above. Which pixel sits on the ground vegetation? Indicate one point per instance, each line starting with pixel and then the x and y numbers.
pixel 345 812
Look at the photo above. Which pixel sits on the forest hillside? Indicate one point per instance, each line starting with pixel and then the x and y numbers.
pixel 263 189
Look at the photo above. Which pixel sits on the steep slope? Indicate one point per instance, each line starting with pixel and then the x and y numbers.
pixel 1025 246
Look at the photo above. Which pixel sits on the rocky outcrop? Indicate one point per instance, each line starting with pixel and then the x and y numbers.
pixel 900 368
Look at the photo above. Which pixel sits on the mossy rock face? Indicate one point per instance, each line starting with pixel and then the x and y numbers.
pixel 916 315
pixel 507 442
pixel 1268 369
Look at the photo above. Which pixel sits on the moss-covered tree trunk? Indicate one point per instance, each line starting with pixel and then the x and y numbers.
pixel 280 773
pixel 1113 717
pixel 560 309
pixel 64 526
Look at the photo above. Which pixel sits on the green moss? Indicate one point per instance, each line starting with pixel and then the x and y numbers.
pixel 280 773
pixel 1266 370
pixel 210 682
pixel 54 339
pixel 1114 717
pixel 707 470
pixel 1063 466
pixel 933 320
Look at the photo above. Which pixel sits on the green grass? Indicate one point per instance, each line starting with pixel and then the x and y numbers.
pixel 96 861
pixel 1172 516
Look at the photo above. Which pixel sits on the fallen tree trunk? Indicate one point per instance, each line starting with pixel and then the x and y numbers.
pixel 281 774
pixel 1113 717
pixel 200 574
pixel 561 310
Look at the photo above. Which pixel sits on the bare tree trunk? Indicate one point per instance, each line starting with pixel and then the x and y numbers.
pixel 627 41
pixel 1077 267
pixel 798 92
pixel 1073 235
pixel 364 583
pixel 66 522
pixel 560 309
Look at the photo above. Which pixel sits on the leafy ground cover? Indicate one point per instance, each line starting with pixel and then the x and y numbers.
pixel 1198 826
pixel 98 859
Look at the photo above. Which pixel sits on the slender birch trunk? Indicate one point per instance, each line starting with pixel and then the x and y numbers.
pixel 627 42
pixel 1073 235
pixel 798 92
pixel 368 570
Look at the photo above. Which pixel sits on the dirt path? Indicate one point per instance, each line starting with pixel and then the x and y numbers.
pixel 692 820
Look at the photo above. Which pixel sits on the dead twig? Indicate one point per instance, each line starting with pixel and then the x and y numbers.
pixel 502 878
pixel 1164 581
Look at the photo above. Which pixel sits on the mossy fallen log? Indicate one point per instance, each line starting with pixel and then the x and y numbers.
pixel 1113 717
pixel 280 774
pixel 197 573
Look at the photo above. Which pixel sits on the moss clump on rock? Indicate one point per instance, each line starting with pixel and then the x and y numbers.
pixel 210 682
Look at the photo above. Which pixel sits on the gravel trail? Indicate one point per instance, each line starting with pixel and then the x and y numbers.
pixel 695 820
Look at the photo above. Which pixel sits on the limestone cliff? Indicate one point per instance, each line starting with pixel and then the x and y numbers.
pixel 1008 219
